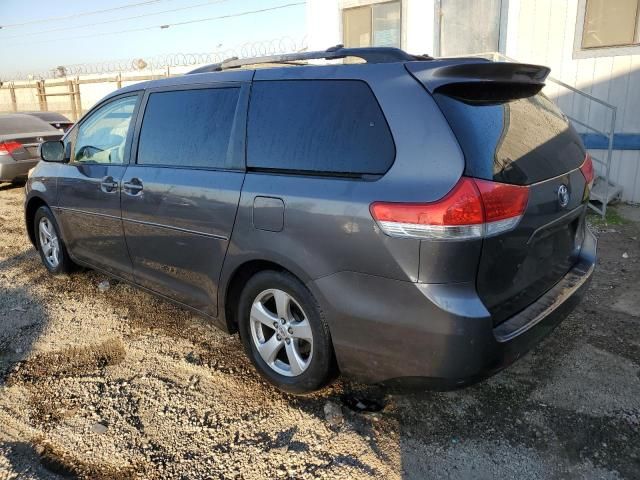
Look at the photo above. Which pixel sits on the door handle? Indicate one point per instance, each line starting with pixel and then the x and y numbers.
pixel 132 187
pixel 107 185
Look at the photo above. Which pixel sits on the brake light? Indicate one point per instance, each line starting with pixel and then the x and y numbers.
pixel 472 209
pixel 9 147
pixel 587 170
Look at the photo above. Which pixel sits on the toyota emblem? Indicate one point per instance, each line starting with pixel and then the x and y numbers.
pixel 563 196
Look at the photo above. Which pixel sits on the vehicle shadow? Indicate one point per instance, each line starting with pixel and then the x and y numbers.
pixel 10 186
pixel 23 318
pixel 27 463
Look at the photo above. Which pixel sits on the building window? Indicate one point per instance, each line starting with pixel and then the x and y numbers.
pixel 375 25
pixel 611 23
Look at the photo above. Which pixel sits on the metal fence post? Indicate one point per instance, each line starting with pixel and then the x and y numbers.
pixel 612 130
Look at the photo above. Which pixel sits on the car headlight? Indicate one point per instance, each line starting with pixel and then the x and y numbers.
pixel 30 172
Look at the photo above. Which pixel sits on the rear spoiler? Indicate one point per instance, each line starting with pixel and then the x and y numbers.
pixel 475 80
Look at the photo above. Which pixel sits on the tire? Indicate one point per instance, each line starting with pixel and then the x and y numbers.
pixel 48 243
pixel 300 364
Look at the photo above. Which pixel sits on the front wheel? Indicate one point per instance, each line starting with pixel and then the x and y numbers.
pixel 49 243
pixel 284 334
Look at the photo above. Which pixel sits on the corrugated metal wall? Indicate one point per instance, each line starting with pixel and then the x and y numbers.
pixel 543 31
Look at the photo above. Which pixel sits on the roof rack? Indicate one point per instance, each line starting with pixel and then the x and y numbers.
pixel 368 54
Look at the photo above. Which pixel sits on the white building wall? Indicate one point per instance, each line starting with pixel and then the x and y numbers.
pixel 324 24
pixel 419 16
pixel 543 31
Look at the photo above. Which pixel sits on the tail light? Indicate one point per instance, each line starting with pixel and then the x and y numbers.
pixel 472 209
pixel 7 148
pixel 587 170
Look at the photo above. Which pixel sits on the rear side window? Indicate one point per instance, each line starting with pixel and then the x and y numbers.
pixel 188 128
pixel 321 126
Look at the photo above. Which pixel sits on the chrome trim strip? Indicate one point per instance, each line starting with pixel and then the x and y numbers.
pixel 178 229
pixel 142 222
pixel 565 218
pixel 94 214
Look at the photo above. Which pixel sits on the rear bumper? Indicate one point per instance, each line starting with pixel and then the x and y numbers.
pixel 11 170
pixel 438 336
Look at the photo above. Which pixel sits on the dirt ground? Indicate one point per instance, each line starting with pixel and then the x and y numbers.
pixel 118 384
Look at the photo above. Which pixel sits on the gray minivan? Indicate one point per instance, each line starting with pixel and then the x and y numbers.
pixel 400 220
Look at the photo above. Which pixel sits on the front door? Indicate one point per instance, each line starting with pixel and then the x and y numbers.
pixel 89 191
pixel 468 27
pixel 180 196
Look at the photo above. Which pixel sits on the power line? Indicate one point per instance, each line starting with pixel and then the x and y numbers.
pixel 210 2
pixel 168 25
pixel 81 14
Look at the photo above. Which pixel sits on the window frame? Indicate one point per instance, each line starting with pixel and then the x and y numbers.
pixel 370 5
pixel 73 133
pixel 580 52
pixel 237 140
pixel 322 173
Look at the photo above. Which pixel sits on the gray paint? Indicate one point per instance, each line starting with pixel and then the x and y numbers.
pixel 395 307
pixel 268 214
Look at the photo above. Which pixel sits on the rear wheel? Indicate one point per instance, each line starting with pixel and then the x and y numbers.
pixel 284 334
pixel 49 243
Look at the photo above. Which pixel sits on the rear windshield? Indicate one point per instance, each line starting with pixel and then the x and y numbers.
pixel 12 124
pixel 49 116
pixel 519 142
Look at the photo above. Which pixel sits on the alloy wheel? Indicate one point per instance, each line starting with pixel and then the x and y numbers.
pixel 281 332
pixel 49 242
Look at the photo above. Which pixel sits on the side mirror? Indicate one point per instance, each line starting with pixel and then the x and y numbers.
pixel 52 151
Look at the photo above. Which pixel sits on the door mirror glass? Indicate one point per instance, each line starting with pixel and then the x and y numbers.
pixel 52 151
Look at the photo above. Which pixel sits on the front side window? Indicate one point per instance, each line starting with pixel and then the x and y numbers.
pixel 611 23
pixel 375 25
pixel 102 137
pixel 322 126
pixel 188 128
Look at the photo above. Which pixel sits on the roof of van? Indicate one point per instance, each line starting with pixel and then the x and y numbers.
pixel 433 73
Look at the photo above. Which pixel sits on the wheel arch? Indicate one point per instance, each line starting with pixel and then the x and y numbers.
pixel 32 206
pixel 238 277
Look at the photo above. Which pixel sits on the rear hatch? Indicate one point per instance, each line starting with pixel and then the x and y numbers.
pixel 510 133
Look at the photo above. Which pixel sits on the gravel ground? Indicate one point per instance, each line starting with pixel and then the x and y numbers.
pixel 117 384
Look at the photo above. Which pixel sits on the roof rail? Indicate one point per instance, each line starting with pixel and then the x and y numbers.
pixel 368 54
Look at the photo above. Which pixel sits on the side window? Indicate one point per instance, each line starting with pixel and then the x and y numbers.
pixel 188 128
pixel 102 137
pixel 330 126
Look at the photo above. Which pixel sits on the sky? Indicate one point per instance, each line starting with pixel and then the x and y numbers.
pixel 28 43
